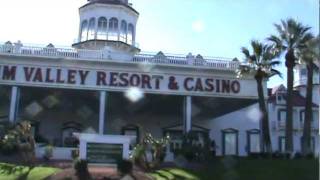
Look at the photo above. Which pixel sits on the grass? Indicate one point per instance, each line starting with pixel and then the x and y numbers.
pixel 246 169
pixel 13 172
pixel 173 174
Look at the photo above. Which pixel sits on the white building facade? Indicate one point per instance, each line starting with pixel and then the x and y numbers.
pixel 105 86
pixel 277 120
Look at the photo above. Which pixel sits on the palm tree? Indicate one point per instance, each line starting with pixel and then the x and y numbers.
pixel 260 63
pixel 292 37
pixel 308 56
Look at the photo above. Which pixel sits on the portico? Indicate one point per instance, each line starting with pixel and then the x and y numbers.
pixel 104 85
pixel 107 81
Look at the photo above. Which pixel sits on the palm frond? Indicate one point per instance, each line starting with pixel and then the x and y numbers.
pixel 277 42
pixel 275 63
pixel 275 72
pixel 257 49
pixel 246 52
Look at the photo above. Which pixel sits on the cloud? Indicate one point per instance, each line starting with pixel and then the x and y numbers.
pixel 198 26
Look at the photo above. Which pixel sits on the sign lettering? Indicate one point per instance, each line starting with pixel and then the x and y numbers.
pixel 121 81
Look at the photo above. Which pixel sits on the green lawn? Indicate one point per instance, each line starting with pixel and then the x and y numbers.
pixel 246 169
pixel 12 172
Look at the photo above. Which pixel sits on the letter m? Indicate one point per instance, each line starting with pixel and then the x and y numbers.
pixel 9 73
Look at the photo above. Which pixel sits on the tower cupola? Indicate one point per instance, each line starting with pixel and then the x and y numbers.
pixel 108 24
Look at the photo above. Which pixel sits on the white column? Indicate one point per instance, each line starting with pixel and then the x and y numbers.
pixel 83 149
pixel 187 114
pixel 13 104
pixel 126 150
pixel 103 95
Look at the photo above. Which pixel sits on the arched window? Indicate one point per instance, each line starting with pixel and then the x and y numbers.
pixel 91 29
pixel 230 141
pixel 130 36
pixel 113 29
pixel 84 30
pixel 102 28
pixel 123 31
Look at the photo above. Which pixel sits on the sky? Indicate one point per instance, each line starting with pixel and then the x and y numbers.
pixel 217 28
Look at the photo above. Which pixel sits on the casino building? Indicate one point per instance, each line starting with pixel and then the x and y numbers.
pixel 105 85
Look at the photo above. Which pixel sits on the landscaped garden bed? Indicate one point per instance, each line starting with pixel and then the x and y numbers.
pixel 14 172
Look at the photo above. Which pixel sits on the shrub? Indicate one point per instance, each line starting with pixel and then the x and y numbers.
pixel 297 155
pixel 81 168
pixel 26 142
pixel 310 156
pixel 41 139
pixel 287 155
pixel 157 148
pixel 265 155
pixel 19 139
pixel 138 155
pixel 254 155
pixel 75 154
pixel 71 142
pixel 9 144
pixel 277 155
pixel 48 152
pixel 124 167
pixel 192 150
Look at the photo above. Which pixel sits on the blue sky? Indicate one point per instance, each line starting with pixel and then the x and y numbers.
pixel 216 28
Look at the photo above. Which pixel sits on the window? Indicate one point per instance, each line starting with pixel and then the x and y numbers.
pixel 302 114
pixel 131 130
pixel 91 29
pixel 253 141
pixel 102 28
pixel 123 31
pixel 68 128
pixel 282 117
pixel 176 137
pixel 313 119
pixel 113 29
pixel 84 30
pixel 130 36
pixel 282 144
pixel 315 116
pixel 230 142
pixel 279 97
pixel 303 72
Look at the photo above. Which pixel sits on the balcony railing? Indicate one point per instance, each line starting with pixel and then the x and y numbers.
pixel 107 55
pixel 281 125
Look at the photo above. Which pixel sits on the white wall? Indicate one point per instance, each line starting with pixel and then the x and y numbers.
pixel 242 120
pixel 276 131
pixel 59 153
pixel 146 123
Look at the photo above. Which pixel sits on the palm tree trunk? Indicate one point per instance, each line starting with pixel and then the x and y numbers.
pixel 290 62
pixel 306 138
pixel 265 119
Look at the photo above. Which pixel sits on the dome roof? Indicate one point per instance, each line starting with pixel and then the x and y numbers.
pixel 116 2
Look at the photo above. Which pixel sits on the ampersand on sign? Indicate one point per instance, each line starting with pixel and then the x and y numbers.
pixel 173 85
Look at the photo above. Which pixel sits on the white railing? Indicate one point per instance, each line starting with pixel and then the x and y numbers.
pixel 296 125
pixel 107 55
pixel 281 124
pixel 314 125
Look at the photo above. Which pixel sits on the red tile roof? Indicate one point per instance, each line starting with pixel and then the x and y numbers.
pixel 298 100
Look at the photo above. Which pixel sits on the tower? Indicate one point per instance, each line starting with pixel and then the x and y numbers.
pixel 300 83
pixel 108 24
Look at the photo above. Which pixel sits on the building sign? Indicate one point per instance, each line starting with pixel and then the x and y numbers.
pixel 62 77
pixel 104 153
